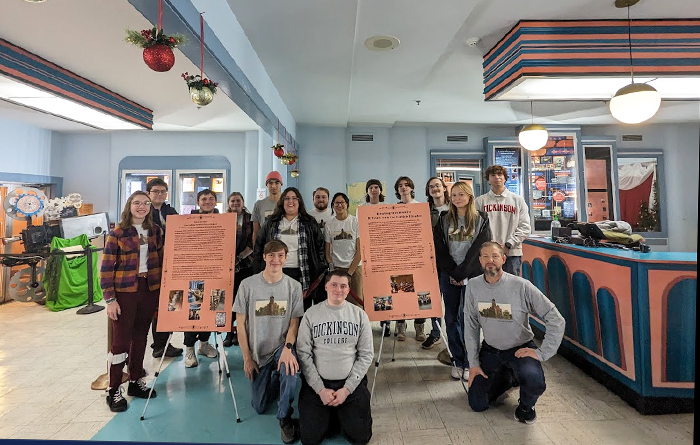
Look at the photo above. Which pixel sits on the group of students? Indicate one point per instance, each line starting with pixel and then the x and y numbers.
pixel 284 251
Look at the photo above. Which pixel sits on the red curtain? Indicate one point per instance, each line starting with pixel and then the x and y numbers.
pixel 630 200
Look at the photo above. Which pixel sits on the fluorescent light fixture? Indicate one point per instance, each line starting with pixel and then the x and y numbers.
pixel 455 168
pixel 597 88
pixel 44 101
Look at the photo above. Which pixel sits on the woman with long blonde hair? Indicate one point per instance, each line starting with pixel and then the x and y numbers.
pixel 458 235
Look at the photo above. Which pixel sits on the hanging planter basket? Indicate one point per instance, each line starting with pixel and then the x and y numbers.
pixel 201 96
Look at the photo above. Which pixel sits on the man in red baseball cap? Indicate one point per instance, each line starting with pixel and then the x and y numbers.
pixel 264 207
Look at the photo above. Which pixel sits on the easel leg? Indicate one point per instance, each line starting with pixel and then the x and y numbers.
pixel 393 350
pixel 228 376
pixel 153 385
pixel 376 363
pixel 218 358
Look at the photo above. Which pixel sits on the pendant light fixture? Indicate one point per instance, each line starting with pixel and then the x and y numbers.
pixel 533 137
pixel 636 102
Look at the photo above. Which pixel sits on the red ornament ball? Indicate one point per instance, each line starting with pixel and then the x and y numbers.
pixel 279 152
pixel 159 57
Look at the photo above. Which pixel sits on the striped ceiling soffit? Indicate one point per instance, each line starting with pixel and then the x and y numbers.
pixel 38 72
pixel 591 48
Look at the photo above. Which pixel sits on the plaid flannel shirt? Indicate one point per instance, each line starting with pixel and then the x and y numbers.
pixel 120 261
pixel 303 253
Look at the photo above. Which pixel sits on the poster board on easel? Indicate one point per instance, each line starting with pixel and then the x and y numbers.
pixel 196 292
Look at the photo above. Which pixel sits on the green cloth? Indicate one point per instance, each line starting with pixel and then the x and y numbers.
pixel 66 280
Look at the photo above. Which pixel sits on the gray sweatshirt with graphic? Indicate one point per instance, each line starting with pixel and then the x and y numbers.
pixel 502 311
pixel 334 343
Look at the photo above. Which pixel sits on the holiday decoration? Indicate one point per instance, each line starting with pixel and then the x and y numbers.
pixel 294 173
pixel 157 47
pixel 289 158
pixel 648 217
pixel 278 150
pixel 202 90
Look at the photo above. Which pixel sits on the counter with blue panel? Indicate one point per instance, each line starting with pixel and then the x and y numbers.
pixel 630 318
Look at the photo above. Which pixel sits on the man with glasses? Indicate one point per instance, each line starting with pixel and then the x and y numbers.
pixel 342 234
pixel 335 350
pixel 158 193
pixel 266 206
pixel 500 304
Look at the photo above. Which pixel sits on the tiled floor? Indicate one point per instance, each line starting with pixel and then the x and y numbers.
pixel 48 361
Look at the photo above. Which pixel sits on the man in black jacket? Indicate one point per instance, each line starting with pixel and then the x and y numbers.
pixel 158 192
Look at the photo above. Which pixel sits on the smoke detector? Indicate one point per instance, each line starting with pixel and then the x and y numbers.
pixel 472 41
pixel 382 43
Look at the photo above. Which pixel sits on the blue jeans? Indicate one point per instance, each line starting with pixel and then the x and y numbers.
pixel 269 384
pixel 435 329
pixel 501 367
pixel 512 265
pixel 454 318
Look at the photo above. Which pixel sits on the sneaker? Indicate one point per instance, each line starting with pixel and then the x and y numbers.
pixel 400 331
pixel 158 353
pixel 140 390
pixel 116 401
pixel 459 373
pixel 206 349
pixel 289 432
pixel 525 415
pixel 430 342
pixel 172 351
pixel 190 358
pixel 420 331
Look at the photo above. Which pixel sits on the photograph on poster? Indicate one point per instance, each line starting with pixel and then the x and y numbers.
pixel 218 298
pixel 220 319
pixel 196 293
pixel 402 283
pixel 270 308
pixel 447 176
pixel 217 185
pixel 175 300
pixel 535 159
pixel 194 311
pixel 545 160
pixel 424 301
pixel 383 303
pixel 188 184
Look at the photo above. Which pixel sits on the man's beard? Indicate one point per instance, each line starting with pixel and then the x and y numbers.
pixel 492 271
pixel 320 209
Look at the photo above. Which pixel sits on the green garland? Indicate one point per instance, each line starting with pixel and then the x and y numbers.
pixel 150 37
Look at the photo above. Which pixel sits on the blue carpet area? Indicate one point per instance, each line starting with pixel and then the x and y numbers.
pixel 195 405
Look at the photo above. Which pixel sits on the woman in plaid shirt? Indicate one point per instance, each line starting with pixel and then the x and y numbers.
pixel 130 281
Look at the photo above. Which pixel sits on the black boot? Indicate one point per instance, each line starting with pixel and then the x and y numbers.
pixel 115 400
pixel 228 341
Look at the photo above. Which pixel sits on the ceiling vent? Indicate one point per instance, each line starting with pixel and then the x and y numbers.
pixel 458 138
pixel 362 138
pixel 632 137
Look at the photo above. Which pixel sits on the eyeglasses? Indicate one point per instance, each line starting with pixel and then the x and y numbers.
pixel 291 199
pixel 159 192
pixel 139 203
pixel 339 203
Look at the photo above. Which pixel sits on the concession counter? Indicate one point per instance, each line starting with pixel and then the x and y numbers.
pixel 630 318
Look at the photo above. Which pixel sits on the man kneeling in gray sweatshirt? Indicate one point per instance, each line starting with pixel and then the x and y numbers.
pixel 335 350
pixel 500 304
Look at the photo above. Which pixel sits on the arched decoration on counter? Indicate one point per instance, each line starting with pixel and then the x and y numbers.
pixel 560 293
pixel 586 311
pixel 539 275
pixel 679 330
pixel 610 328
pixel 527 271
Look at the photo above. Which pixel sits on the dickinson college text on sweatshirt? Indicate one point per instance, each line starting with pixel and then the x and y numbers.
pixel 502 311
pixel 335 343
pixel 509 217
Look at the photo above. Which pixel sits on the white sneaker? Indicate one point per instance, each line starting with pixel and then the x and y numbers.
pixel 190 358
pixel 458 373
pixel 206 349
